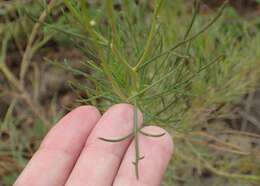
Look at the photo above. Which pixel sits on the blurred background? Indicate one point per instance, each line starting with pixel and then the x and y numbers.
pixel 34 93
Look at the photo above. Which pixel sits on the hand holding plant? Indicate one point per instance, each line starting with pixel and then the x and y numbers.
pixel 154 55
pixel 133 68
pixel 72 154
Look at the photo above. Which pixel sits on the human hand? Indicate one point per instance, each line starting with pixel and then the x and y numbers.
pixel 73 155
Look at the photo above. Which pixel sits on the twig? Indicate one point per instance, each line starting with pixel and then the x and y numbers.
pixel 15 82
pixel 215 139
pixel 188 39
pixel 136 140
pixel 250 118
pixel 210 167
pixel 150 37
pixel 248 105
pixel 17 85
pixel 225 149
pixel 28 53
pixel 234 132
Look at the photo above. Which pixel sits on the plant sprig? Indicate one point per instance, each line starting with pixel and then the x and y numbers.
pixel 137 80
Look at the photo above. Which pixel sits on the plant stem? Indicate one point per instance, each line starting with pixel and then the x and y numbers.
pixel 207 165
pixel 150 37
pixel 15 82
pixel 136 140
pixel 115 50
pixel 28 53
pixel 189 39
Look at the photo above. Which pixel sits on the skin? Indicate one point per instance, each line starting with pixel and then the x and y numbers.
pixel 72 155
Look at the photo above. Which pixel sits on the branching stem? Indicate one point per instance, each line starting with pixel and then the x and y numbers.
pixel 188 39
pixel 35 108
pixel 150 37
pixel 28 53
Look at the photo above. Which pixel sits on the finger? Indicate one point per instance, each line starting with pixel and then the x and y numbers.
pixel 157 153
pixel 53 162
pixel 100 160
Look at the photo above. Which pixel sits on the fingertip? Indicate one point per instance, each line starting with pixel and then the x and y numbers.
pixel 157 152
pixel 77 124
pixel 61 146
pixel 124 110
pixel 86 110
pixel 105 156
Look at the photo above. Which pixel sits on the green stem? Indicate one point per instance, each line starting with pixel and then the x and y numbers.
pixel 136 140
pixel 194 15
pixel 150 37
pixel 189 39
pixel 29 52
pixel 115 50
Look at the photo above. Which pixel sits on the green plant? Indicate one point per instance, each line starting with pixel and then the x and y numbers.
pixel 143 71
pixel 196 112
pixel 33 45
